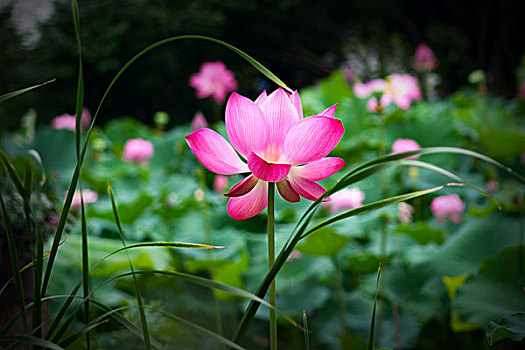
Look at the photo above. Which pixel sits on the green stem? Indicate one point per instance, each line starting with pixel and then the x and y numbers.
pixel 341 297
pixel 271 261
pixel 207 232
pixel 384 233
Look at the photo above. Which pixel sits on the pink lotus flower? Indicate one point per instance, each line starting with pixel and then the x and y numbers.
pixel 372 104
pixel 424 60
pixel 405 212
pixel 448 207
pixel 220 183
pixel 89 197
pixel 68 121
pixel 492 185
pixel 405 145
pixel 364 90
pixel 279 145
pixel 137 150
pixel 402 89
pixel 213 80
pixel 198 121
pixel 346 199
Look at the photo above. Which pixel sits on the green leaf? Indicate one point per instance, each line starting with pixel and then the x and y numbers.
pixel 13 94
pixel 495 290
pixel 503 144
pixel 509 327
pixel 27 339
pixel 422 233
pixel 326 242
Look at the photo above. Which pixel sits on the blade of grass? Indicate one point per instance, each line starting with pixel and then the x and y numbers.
pixel 86 281
pixel 306 335
pixel 13 255
pixel 143 320
pixel 13 94
pixel 78 167
pixel 78 133
pixel 355 175
pixel 199 330
pixel 28 339
pixel 373 321
pixel 298 234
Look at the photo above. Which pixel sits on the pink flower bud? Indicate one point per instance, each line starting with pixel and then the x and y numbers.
pixel 213 80
pixel 405 212
pixel 137 151
pixel 88 195
pixel 405 145
pixel 448 207
pixel 346 199
pixel 424 60
pixel 220 183
pixel 198 121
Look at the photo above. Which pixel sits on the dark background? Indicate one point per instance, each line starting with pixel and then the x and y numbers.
pixel 300 41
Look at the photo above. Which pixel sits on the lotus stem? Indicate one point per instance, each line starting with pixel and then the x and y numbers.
pixel 271 261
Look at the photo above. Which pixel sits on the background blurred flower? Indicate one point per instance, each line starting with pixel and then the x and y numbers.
pixel 347 198
pixel 492 185
pixel 363 90
pixel 137 150
pixel 89 197
pixel 405 145
pixel 220 183
pixel 275 139
pixel 371 105
pixel 198 121
pixel 68 121
pixel 405 212
pixel 448 207
pixel 402 90
pixel 213 80
pixel 424 60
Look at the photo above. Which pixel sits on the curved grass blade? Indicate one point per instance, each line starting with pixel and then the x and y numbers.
pixel 78 167
pixel 298 234
pixel 78 133
pixel 353 176
pixel 14 261
pixel 199 330
pixel 135 283
pixel 28 339
pixel 373 321
pixel 33 154
pixel 16 93
pixel 58 318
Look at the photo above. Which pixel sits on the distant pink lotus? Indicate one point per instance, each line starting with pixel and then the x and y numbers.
pixel 198 121
pixel 405 212
pixel 400 89
pixel 279 145
pixel 88 195
pixel 405 145
pixel 68 121
pixel 364 90
pixel 213 80
pixel 424 60
pixel 448 207
pixel 220 183
pixel 346 199
pixel 137 150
